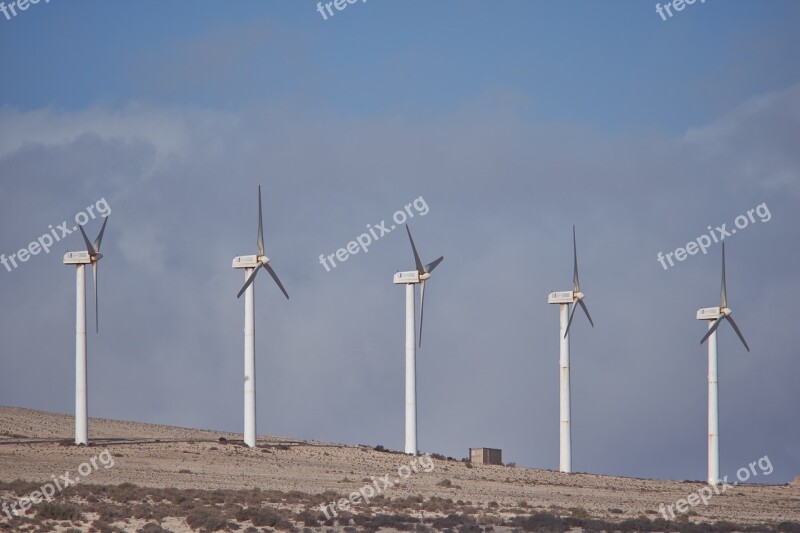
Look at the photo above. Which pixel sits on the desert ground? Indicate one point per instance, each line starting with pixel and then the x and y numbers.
pixel 158 478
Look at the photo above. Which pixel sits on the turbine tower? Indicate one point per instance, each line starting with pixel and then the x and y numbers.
pixel 714 316
pixel 564 299
pixel 91 256
pixel 409 279
pixel 251 264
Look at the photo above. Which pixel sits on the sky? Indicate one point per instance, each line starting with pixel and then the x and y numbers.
pixel 507 123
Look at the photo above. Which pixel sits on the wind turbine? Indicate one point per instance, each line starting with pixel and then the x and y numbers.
pixel 564 299
pixel 91 256
pixel 409 279
pixel 251 265
pixel 714 316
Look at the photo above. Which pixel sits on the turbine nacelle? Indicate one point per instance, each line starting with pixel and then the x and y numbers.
pixel 245 261
pixel 77 258
pixel 404 278
pixel 81 258
pixel 250 261
pixel 561 297
pixel 709 313
pixel 565 297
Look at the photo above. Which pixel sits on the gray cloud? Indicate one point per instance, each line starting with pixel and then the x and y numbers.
pixel 503 191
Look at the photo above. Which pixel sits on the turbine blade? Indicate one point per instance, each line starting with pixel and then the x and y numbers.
pixel 421 308
pixel 89 247
pixel 739 333
pixel 99 238
pixel 420 267
pixel 571 315
pixel 96 307
pixel 575 281
pixel 723 295
pixel 430 266
pixel 586 310
pixel 260 242
pixel 275 277
pixel 249 281
pixel 712 329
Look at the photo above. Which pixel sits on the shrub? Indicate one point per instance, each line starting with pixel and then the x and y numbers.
pixel 259 516
pixel 207 519
pixel 105 527
pixel 57 511
pixel 544 522
pixel 152 527
pixel 579 512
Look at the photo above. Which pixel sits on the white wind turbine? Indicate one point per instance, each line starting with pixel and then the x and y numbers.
pixel 714 317
pixel 251 264
pixel 91 256
pixel 564 299
pixel 409 279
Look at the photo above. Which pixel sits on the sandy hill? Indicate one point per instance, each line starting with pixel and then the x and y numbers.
pixel 34 448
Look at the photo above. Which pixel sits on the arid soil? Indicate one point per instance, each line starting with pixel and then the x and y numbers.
pixel 34 447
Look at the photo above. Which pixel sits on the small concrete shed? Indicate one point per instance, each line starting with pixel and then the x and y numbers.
pixel 486 456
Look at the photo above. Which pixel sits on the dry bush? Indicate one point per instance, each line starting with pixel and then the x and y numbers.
pixel 207 519
pixel 58 511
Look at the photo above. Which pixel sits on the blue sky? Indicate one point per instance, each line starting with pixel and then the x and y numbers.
pixel 514 120
pixel 617 66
